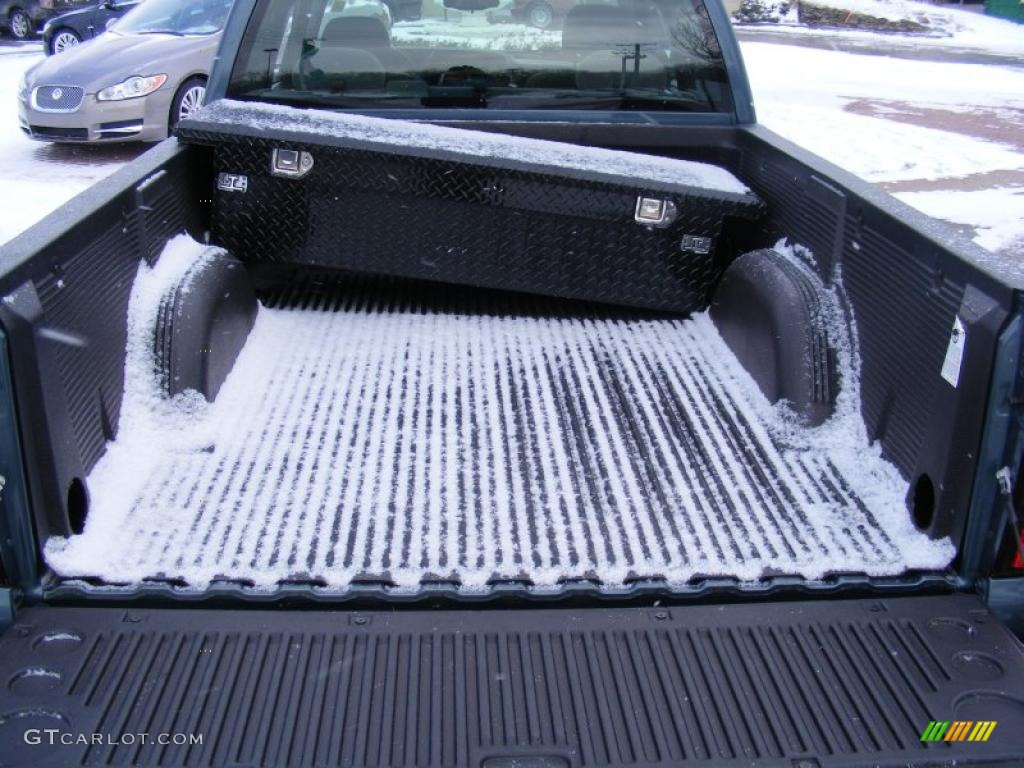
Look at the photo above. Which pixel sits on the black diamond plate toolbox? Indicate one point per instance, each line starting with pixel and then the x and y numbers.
pixel 487 221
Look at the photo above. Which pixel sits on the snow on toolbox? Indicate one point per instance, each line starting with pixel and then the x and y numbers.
pixel 468 207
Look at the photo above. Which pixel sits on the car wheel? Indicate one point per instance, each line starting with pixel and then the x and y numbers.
pixel 187 100
pixel 540 15
pixel 64 39
pixel 20 24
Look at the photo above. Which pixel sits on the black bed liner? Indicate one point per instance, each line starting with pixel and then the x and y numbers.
pixel 834 683
pixel 569 442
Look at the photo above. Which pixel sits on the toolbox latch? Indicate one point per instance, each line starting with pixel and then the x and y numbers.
pixel 290 163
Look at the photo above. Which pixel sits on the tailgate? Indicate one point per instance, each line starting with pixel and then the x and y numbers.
pixel 852 682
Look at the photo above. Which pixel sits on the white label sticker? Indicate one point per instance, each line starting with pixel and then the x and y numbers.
pixel 232 182
pixel 954 353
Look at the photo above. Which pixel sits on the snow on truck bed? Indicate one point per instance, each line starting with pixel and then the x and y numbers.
pixel 374 430
pixel 386 134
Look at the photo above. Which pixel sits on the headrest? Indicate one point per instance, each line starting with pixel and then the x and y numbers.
pixel 602 70
pixel 592 26
pixel 604 26
pixel 357 32
pixel 337 68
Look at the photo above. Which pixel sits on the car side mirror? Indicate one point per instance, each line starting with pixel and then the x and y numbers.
pixel 110 24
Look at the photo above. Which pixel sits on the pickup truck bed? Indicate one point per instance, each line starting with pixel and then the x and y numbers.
pixel 400 432
pixel 340 441
pixel 421 435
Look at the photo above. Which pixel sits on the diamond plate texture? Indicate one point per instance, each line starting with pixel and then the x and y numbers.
pixel 480 223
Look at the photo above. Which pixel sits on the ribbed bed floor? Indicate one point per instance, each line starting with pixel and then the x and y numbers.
pixel 412 433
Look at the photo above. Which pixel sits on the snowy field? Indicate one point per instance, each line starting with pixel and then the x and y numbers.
pixel 947 138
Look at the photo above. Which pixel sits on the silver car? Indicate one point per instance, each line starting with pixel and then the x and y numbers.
pixel 132 83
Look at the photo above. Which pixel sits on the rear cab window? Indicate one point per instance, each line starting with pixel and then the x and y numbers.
pixel 644 55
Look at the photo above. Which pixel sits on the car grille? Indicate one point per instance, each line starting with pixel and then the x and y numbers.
pixel 68 134
pixel 57 98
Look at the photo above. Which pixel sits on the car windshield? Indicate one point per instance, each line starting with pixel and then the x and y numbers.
pixel 494 54
pixel 175 17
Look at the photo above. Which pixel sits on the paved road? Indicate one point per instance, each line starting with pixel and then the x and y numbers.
pixel 1004 126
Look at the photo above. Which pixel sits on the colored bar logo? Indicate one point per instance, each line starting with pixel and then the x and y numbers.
pixel 958 730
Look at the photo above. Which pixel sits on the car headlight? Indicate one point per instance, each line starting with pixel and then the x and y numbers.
pixel 132 88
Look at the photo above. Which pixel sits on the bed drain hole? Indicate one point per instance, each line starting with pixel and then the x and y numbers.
pixel 78 505
pixel 923 505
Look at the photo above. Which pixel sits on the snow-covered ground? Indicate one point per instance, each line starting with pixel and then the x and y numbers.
pixel 37 177
pixel 947 27
pixel 996 214
pixel 945 138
